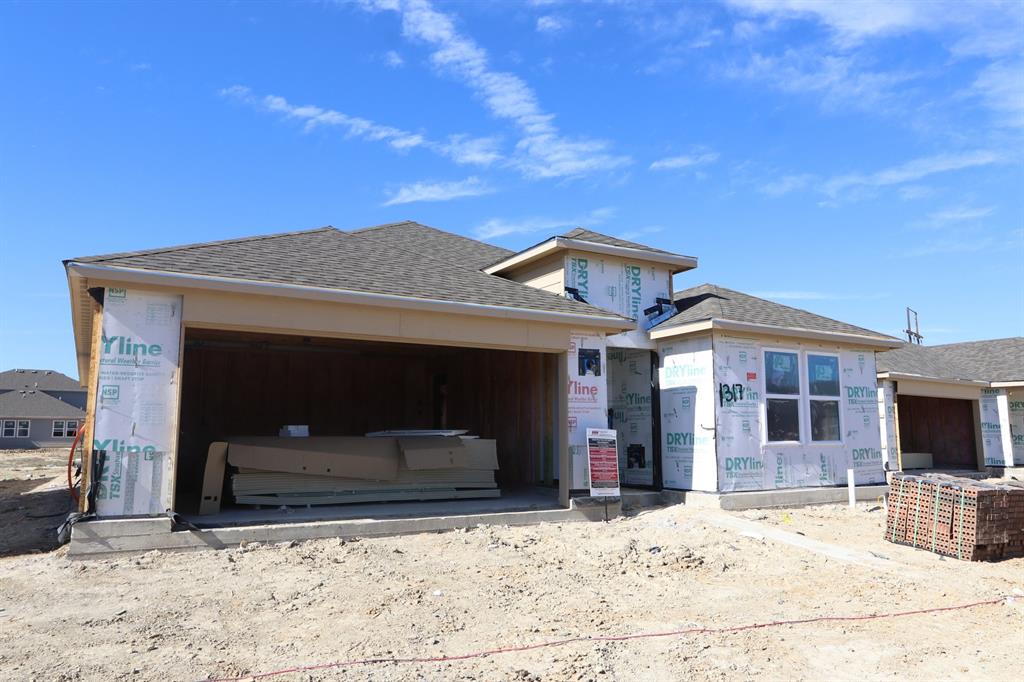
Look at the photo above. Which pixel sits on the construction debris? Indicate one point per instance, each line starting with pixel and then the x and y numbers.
pixel 957 517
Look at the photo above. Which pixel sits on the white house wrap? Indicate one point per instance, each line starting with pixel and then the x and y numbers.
pixel 136 402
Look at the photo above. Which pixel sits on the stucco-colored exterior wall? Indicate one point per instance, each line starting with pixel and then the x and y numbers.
pixel 40 436
pixel 547 274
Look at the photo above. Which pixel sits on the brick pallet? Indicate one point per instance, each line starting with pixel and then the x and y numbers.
pixel 957 517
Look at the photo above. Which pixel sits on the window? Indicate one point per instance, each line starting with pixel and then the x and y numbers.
pixel 823 387
pixel 8 428
pixel 65 428
pixel 23 428
pixel 782 389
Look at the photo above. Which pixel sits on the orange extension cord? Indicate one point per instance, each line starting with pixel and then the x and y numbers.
pixel 603 638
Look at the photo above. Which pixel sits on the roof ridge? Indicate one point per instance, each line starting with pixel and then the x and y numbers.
pixel 383 225
pixel 198 245
pixel 802 310
pixel 964 343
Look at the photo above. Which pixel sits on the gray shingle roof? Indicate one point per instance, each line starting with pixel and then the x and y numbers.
pixel 710 301
pixel 598 238
pixel 439 244
pixel 36 404
pixel 990 361
pixel 332 259
pixel 42 379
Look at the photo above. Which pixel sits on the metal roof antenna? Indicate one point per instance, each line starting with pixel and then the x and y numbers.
pixel 913 330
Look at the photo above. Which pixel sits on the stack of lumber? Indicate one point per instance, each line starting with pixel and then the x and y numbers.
pixel 312 471
pixel 957 517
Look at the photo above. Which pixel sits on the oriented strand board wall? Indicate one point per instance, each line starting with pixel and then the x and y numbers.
pixel 358 388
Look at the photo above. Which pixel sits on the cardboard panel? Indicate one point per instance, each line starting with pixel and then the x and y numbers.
pixel 480 453
pixel 213 478
pixel 433 452
pixel 374 459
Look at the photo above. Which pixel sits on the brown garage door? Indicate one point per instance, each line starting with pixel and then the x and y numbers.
pixel 941 426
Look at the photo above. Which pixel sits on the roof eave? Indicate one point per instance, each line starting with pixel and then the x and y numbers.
pixel 244 286
pixel 906 376
pixel 676 263
pixel 754 328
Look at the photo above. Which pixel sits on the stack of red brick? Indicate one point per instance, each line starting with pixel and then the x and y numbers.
pixel 957 517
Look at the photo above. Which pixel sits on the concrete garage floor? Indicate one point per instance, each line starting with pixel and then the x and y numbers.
pixel 510 501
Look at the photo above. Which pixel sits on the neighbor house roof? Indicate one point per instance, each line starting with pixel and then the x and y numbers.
pixel 581 239
pixel 403 260
pixel 442 245
pixel 992 361
pixel 42 379
pixel 710 305
pixel 36 405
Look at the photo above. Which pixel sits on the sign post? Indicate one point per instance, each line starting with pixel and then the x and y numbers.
pixel 603 457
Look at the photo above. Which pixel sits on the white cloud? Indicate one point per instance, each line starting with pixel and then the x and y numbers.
pixel 393 59
pixel 839 79
pixel 786 184
pixel 499 227
pixel 910 171
pixel 439 191
pixel 476 151
pixel 462 149
pixel 1000 85
pixel 685 161
pixel 141 66
pixel 956 214
pixel 543 151
pixel 551 24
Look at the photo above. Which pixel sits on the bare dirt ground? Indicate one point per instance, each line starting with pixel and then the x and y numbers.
pixel 257 609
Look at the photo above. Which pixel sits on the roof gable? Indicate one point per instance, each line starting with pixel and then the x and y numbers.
pixel 584 235
pixel 712 302
pixel 367 262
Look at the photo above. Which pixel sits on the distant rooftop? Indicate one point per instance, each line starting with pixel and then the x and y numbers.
pixel 994 360
pixel 36 405
pixel 42 379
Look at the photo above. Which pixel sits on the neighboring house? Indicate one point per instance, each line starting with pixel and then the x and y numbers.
pixel 33 419
pixel 39 408
pixel 406 326
pixel 953 406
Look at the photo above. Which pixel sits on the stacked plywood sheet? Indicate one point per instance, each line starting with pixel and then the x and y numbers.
pixel 306 471
pixel 957 517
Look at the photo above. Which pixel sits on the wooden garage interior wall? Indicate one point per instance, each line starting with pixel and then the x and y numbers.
pixel 243 384
pixel 943 427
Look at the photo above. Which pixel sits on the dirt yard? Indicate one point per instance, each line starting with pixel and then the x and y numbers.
pixel 259 609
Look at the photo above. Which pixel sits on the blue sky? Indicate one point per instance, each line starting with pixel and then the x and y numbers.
pixel 851 159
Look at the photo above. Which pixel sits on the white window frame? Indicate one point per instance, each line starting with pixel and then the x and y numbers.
pixel 798 397
pixel 3 428
pixel 28 428
pixel 837 399
pixel 70 428
pixel 55 432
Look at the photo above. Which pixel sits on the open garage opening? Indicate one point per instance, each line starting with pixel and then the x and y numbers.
pixel 240 385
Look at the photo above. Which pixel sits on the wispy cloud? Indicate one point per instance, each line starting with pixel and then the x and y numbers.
pixel 950 244
pixel 542 151
pixel 141 66
pixel 955 215
pixel 685 161
pixel 786 184
pixel 500 227
pixel 910 171
pixel 791 295
pixel 393 59
pixel 1000 85
pixel 551 24
pixel 462 149
pixel 439 191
